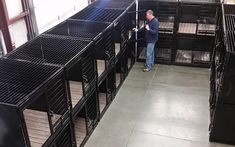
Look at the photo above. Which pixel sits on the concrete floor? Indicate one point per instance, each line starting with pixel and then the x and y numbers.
pixel 167 107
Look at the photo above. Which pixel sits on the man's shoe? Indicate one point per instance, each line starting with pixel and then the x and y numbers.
pixel 146 70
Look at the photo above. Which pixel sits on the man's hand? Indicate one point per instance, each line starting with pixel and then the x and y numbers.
pixel 147 27
pixel 135 29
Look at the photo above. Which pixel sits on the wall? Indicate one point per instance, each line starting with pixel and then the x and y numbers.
pixel 2 45
pixel 49 13
pixel 18 29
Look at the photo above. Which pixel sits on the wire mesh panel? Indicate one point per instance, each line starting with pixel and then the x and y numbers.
pixel 106 90
pixel 198 17
pixel 34 96
pixel 229 9
pixel 92 112
pixel 80 126
pixel 87 30
pixel 121 71
pixel 163 52
pixel 86 118
pixel 116 16
pixel 111 4
pixel 222 81
pixel 100 33
pixel 98 14
pixel 130 54
pixel 229 22
pixel 76 56
pixel 65 137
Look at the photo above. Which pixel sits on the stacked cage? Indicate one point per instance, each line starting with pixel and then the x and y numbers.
pixel 222 101
pixel 78 61
pixel 55 86
pixel 196 27
pixel 98 32
pixel 117 14
pixel 34 105
pixel 103 44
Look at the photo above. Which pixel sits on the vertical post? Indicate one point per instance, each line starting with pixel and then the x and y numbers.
pixel 28 20
pixel 4 26
pixel 136 26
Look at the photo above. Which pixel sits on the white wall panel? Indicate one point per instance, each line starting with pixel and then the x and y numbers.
pixel 18 32
pixel 48 13
pixel 14 7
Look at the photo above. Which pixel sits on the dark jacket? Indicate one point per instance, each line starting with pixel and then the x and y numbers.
pixel 151 35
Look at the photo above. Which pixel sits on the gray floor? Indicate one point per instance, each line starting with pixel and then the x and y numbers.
pixel 167 107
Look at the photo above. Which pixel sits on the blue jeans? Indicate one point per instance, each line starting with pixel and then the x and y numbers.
pixel 150 55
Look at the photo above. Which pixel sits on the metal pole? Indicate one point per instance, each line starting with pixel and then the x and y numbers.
pixel 136 26
pixel 4 22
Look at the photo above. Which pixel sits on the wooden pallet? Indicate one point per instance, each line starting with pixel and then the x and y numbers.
pixel 166 25
pixel 100 66
pixel 76 92
pixel 117 48
pixel 187 28
pixel 102 101
pixel 208 29
pixel 38 127
pixel 80 130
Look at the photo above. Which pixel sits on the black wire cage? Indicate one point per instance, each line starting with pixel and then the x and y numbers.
pixel 197 17
pixel 121 68
pixel 194 51
pixel 223 82
pixel 98 32
pixel 85 121
pixel 106 91
pixel 118 17
pixel 34 103
pixel 123 5
pixel 129 6
pixel 164 49
pixel 75 56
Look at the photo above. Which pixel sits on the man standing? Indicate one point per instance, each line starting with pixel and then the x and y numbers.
pixel 151 37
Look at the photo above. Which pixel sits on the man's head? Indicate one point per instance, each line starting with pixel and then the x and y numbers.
pixel 149 14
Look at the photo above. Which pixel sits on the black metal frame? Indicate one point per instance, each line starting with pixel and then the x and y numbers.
pixel 201 13
pixel 121 70
pixel 108 88
pixel 78 62
pixel 71 47
pixel 100 33
pixel 116 16
pixel 36 87
pixel 90 112
pixel 222 103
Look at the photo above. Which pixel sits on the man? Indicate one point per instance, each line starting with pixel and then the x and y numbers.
pixel 151 37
